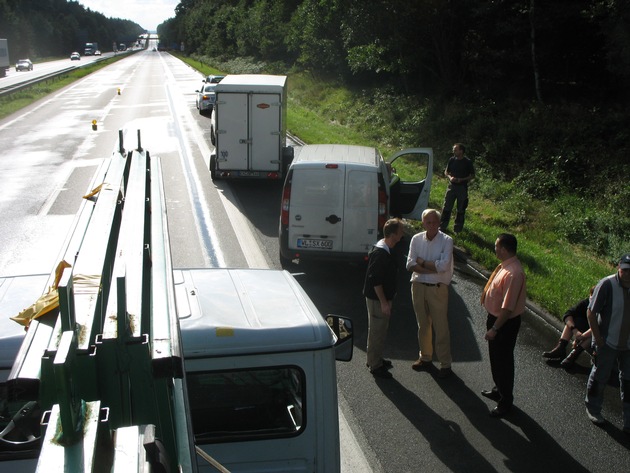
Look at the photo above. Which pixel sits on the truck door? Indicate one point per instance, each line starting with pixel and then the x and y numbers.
pixel 360 225
pixel 265 132
pixel 233 132
pixel 316 208
pixel 415 168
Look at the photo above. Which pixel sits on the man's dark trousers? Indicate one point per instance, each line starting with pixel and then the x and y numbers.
pixel 501 351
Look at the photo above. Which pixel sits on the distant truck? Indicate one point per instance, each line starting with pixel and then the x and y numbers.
pixel 4 57
pixel 90 49
pixel 248 128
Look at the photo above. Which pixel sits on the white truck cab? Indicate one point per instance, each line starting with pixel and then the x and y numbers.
pixel 260 370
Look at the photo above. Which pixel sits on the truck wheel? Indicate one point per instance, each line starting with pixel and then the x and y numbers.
pixel 213 140
pixel 213 166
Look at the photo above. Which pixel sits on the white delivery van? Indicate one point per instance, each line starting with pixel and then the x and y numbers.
pixel 248 128
pixel 336 199
pixel 260 370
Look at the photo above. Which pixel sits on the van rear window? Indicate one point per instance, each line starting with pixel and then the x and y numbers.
pixel 246 404
pixel 317 187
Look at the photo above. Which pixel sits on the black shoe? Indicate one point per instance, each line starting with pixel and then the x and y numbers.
pixel 444 373
pixel 491 394
pixel 386 363
pixel 558 352
pixel 499 411
pixel 420 365
pixel 381 372
pixel 569 361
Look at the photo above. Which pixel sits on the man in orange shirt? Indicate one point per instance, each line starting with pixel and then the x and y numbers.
pixel 504 299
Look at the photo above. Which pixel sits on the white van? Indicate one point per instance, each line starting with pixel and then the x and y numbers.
pixel 336 199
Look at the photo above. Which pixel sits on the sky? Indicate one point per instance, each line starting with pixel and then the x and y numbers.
pixel 147 13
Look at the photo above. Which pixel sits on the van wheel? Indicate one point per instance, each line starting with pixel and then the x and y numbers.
pixel 213 140
pixel 213 166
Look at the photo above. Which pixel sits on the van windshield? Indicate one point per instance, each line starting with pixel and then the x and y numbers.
pixel 246 404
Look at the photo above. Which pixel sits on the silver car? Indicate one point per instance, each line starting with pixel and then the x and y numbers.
pixel 206 98
pixel 24 65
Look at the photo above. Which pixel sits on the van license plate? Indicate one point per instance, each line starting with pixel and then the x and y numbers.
pixel 310 243
pixel 249 174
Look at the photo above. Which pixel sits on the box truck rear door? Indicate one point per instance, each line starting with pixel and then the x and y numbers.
pixel 265 132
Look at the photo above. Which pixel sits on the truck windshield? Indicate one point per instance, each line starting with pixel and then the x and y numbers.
pixel 246 404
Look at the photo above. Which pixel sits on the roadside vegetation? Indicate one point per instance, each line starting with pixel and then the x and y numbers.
pixel 567 241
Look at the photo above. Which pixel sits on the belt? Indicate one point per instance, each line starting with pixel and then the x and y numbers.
pixel 428 284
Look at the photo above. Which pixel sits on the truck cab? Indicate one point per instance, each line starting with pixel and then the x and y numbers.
pixel 260 370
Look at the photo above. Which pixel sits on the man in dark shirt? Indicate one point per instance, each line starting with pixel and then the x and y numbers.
pixel 459 172
pixel 379 290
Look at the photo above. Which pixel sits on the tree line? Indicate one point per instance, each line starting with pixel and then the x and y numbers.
pixel 49 28
pixel 544 50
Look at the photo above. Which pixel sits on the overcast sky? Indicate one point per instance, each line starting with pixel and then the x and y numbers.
pixel 147 13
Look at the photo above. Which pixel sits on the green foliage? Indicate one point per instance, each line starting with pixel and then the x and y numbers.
pixel 43 28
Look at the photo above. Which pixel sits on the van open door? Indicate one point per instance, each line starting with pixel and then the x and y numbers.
pixel 409 196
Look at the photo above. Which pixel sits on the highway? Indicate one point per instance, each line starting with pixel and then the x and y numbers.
pixel 412 423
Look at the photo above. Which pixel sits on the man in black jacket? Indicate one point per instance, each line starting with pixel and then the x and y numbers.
pixel 379 291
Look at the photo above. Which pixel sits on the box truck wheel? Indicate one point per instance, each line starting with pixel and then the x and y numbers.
pixel 213 166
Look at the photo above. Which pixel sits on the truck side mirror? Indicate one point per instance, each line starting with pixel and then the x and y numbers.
pixel 342 328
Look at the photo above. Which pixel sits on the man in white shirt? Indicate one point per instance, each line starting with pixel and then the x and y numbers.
pixel 431 261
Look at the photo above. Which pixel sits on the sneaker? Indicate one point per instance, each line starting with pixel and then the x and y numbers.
pixel 381 372
pixel 444 373
pixel 596 419
pixel 420 365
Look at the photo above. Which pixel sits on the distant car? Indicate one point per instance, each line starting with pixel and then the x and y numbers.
pixel 97 53
pixel 206 98
pixel 75 56
pixel 213 79
pixel 24 65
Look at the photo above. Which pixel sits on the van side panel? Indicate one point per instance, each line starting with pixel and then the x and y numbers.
pixel 232 131
pixel 316 211
pixel 266 144
pixel 360 230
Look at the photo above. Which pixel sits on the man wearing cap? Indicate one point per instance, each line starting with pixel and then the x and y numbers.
pixel 609 318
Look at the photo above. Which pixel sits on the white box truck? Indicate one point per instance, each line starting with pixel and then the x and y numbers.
pixel 248 128
pixel 4 57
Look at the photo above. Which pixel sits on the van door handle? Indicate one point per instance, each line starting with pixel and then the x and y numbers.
pixel 333 219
